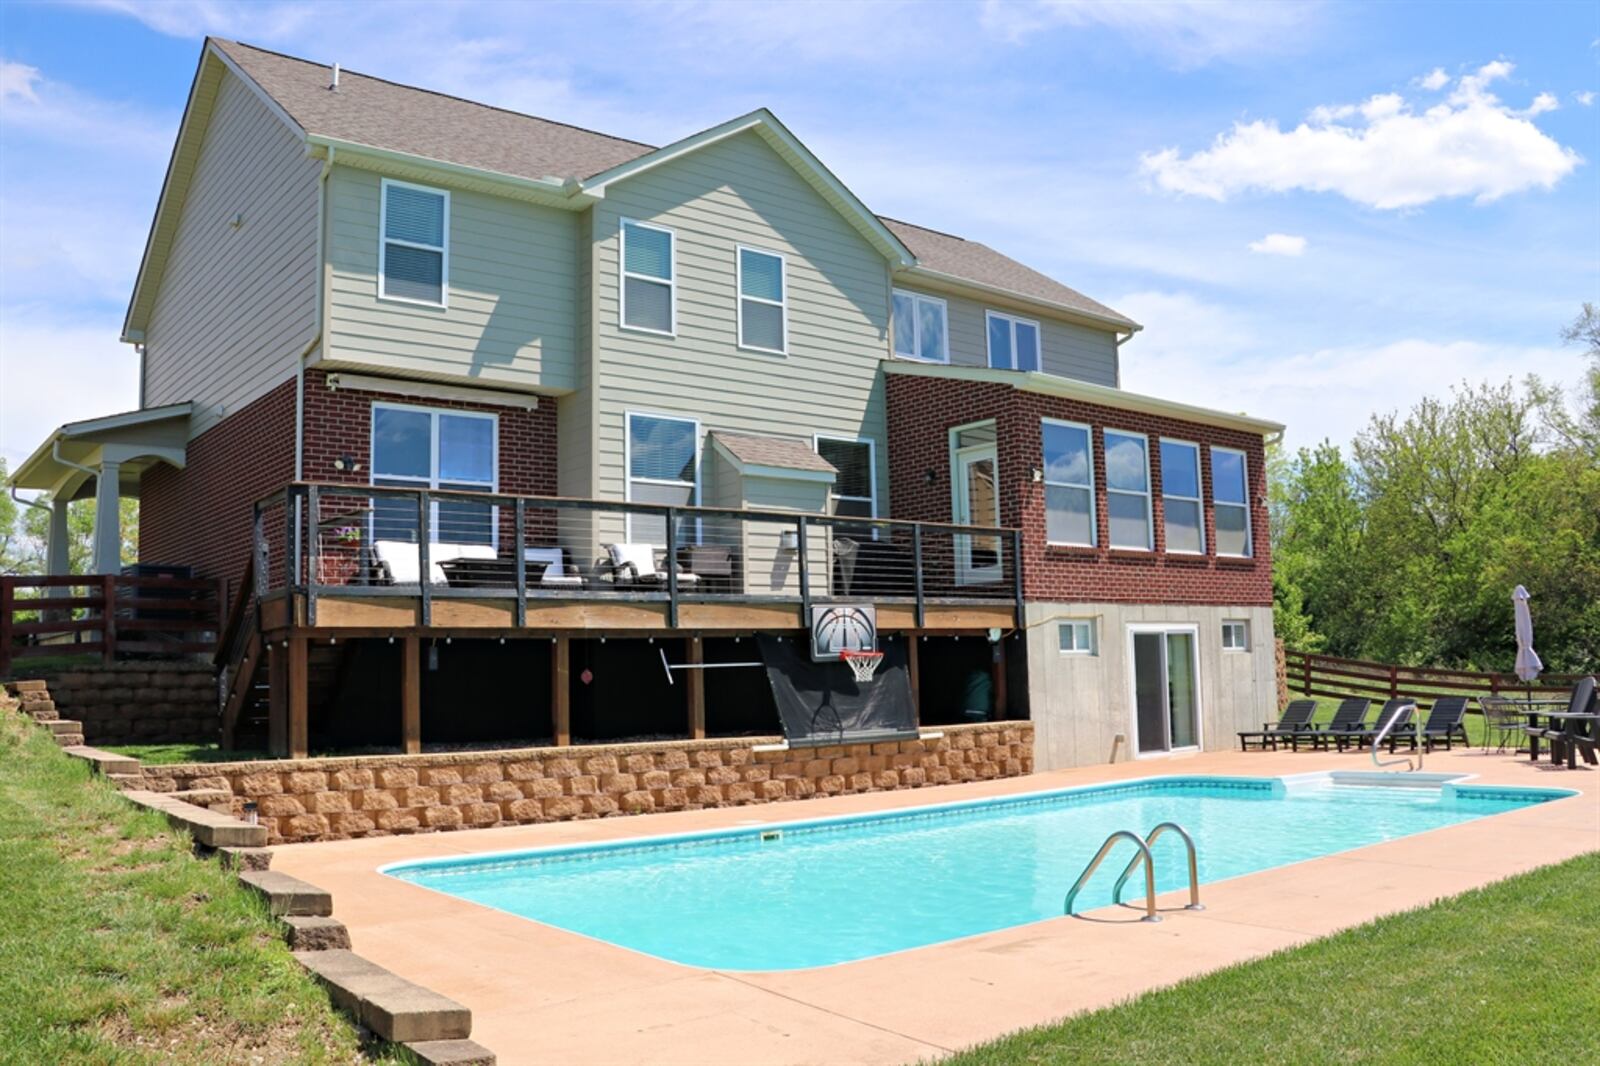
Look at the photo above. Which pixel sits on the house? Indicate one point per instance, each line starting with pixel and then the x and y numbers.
pixel 622 394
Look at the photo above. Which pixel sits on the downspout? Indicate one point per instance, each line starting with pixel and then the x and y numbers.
pixel 316 333
pixel 1118 343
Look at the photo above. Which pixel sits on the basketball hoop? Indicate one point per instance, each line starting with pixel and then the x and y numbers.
pixel 863 664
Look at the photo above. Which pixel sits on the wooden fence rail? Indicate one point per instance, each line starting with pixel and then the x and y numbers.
pixel 1329 675
pixel 109 615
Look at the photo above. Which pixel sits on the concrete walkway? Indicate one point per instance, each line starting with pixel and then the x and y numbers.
pixel 543 995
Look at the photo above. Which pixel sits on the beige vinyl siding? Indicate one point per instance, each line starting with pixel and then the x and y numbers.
pixel 741 192
pixel 237 306
pixel 575 415
pixel 511 319
pixel 1067 349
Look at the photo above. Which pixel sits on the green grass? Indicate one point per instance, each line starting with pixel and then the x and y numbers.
pixel 168 754
pixel 117 945
pixel 1509 973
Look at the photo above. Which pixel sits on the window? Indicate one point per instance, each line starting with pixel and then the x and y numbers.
pixel 1180 497
pixel 1076 636
pixel 1236 636
pixel 413 256
pixel 1013 342
pixel 417 447
pixel 1230 501
pixel 855 489
pixel 1068 484
pixel 649 297
pixel 1128 489
pixel 763 324
pixel 920 328
pixel 663 463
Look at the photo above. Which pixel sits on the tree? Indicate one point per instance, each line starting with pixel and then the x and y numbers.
pixel 15 554
pixel 80 533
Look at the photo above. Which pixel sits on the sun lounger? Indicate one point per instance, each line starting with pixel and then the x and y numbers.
pixel 1400 711
pixel 1296 718
pixel 640 565
pixel 1446 721
pixel 1348 718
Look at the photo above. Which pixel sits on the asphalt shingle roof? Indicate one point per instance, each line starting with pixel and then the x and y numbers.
pixel 401 118
pixel 773 451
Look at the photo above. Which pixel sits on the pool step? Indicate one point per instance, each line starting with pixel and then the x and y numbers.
pixel 289 896
pixel 389 1005
pixel 451 1053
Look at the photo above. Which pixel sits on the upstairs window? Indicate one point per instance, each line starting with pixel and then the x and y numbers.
pixel 663 464
pixel 855 489
pixel 420 448
pixel 1068 484
pixel 1230 501
pixel 649 296
pixel 1180 497
pixel 921 329
pixel 1128 489
pixel 413 257
pixel 1013 342
pixel 763 315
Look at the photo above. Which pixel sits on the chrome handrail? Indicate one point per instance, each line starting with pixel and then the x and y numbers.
pixel 1399 713
pixel 1194 864
pixel 1094 864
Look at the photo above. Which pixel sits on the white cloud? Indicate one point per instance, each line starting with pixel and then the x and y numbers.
pixel 1279 244
pixel 1189 33
pixel 1542 103
pixel 198 18
pixel 1434 80
pixel 1585 97
pixel 1382 152
pixel 17 81
pixel 68 368
pixel 53 111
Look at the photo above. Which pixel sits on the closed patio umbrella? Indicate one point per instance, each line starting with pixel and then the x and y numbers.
pixel 1528 664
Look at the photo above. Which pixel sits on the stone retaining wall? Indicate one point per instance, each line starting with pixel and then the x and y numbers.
pixel 141 702
pixel 340 798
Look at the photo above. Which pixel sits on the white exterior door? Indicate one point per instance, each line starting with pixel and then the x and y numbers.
pixel 1166 688
pixel 977 503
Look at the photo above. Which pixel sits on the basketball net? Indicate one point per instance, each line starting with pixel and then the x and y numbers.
pixel 863 664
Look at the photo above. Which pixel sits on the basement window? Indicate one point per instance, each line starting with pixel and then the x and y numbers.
pixel 1236 636
pixel 1076 636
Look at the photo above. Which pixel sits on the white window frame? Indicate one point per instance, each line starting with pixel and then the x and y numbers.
pixel 916 326
pixel 1244 633
pixel 1012 321
pixel 627 461
pixel 384 240
pixel 432 480
pixel 1196 661
pixel 1094 512
pixel 1149 490
pixel 1091 645
pixel 1249 530
pixel 623 274
pixel 872 468
pixel 1198 501
pixel 740 297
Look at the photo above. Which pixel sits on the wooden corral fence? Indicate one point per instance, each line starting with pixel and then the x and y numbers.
pixel 1327 675
pixel 110 615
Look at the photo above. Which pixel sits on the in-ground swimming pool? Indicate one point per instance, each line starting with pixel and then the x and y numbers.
pixel 785 897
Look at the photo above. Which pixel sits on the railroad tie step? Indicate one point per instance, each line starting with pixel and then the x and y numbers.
pixel 42 711
pixel 210 829
pixel 314 933
pixel 389 1005
pixel 60 725
pixel 451 1053
pixel 18 688
pixel 289 896
pixel 105 762
pixel 69 740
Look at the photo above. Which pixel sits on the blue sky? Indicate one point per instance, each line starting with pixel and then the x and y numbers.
pixel 1317 210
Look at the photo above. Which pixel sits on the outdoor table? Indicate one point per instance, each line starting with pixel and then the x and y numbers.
pixel 1568 721
pixel 480 573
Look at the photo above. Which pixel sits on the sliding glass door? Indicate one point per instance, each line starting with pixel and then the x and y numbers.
pixel 1166 688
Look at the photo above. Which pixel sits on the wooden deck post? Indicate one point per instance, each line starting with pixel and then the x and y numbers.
pixel 277 699
pixel 694 687
pixel 561 691
pixel 411 695
pixel 914 673
pixel 299 686
pixel 997 669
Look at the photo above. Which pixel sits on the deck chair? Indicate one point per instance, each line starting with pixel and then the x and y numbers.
pixel 1445 721
pixel 1295 719
pixel 1502 721
pixel 1583 735
pixel 1348 718
pixel 1400 711
pixel 640 565
pixel 399 562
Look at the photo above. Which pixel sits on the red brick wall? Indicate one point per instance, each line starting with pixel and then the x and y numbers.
pixel 200 516
pixel 921 413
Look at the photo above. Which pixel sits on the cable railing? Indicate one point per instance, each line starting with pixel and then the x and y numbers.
pixel 326 539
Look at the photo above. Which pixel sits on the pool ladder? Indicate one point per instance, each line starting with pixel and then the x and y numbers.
pixel 1149 861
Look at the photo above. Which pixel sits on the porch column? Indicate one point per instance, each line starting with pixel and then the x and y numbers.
pixel 108 518
pixel 56 561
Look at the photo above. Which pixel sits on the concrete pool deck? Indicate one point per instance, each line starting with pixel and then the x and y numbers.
pixel 539 994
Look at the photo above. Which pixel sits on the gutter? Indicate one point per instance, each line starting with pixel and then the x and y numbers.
pixel 558 191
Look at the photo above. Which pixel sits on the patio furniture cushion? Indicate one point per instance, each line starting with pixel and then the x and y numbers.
pixel 556 572
pixel 403 562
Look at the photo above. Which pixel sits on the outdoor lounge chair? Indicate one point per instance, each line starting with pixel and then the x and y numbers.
pixel 639 565
pixel 1400 712
pixel 1296 718
pixel 548 568
pixel 1582 735
pixel 1349 718
pixel 1445 721
pixel 398 562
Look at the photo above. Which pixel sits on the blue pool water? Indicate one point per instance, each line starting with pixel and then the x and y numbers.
pixel 833 890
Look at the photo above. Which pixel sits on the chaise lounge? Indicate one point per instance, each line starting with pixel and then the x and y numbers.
pixel 1348 719
pixel 1296 719
pixel 1398 712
